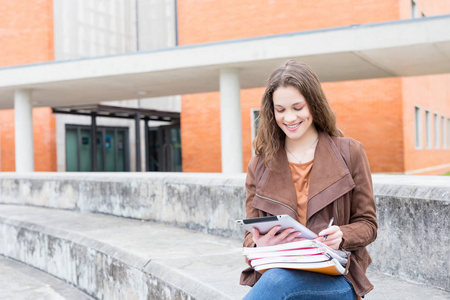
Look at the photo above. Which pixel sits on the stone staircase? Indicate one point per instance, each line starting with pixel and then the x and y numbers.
pixel 110 257
pixel 173 236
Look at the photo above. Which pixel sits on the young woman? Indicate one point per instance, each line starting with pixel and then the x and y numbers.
pixel 305 168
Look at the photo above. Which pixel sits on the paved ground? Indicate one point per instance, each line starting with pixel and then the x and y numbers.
pixel 21 282
pixel 179 251
pixel 388 287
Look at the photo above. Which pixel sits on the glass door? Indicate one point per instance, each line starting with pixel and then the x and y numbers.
pixel 165 149
pixel 112 149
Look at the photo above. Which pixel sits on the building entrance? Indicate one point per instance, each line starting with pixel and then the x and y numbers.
pixel 112 149
pixel 165 148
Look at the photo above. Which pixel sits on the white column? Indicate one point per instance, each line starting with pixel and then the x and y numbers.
pixel 23 127
pixel 230 121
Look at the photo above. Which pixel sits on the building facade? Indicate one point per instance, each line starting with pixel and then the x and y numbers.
pixel 75 30
pixel 403 122
pixel 378 112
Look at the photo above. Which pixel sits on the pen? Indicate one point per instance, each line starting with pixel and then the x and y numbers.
pixel 329 225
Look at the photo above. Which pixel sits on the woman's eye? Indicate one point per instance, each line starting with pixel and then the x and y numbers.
pixel 300 108
pixel 280 110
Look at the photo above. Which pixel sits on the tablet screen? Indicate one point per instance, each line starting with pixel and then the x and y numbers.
pixel 264 224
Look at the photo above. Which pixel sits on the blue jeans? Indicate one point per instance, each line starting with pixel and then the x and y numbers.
pixel 296 284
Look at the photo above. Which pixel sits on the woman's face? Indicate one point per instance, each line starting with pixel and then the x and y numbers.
pixel 292 112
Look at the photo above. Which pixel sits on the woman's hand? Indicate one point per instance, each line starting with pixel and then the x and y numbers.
pixel 334 238
pixel 272 238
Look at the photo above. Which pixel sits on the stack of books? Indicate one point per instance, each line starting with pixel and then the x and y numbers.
pixel 307 255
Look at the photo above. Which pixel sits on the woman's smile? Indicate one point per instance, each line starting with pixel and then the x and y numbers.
pixel 293 127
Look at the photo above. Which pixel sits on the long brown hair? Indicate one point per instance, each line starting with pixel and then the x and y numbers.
pixel 270 137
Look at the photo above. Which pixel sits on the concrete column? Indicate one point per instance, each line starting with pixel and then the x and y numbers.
pixel 23 127
pixel 230 121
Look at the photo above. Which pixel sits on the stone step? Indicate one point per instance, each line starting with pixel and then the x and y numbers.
pixel 19 281
pixel 117 258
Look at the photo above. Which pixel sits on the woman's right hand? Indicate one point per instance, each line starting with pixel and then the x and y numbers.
pixel 272 238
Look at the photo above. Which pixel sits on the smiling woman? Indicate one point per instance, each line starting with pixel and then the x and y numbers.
pixel 294 118
pixel 293 87
pixel 305 168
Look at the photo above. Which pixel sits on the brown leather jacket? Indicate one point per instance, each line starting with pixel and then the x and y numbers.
pixel 340 187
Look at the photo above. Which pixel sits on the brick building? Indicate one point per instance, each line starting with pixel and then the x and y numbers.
pixel 403 122
pixel 378 112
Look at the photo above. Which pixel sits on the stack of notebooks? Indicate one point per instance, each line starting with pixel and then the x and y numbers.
pixel 307 255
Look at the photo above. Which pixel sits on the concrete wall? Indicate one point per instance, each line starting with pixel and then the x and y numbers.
pixel 413 211
pixel 414 217
pixel 97 268
pixel 204 202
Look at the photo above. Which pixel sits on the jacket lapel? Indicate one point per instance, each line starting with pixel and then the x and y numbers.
pixel 276 194
pixel 330 177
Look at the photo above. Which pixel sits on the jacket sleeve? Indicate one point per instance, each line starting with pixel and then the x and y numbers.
pixel 362 228
pixel 250 187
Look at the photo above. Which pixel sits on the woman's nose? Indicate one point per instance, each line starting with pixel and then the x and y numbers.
pixel 290 116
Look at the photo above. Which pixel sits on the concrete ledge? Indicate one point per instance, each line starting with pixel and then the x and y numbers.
pixel 205 202
pixel 116 258
pixel 413 238
pixel 413 211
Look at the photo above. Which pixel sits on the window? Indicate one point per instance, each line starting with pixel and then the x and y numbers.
pixel 418 127
pixel 443 131
pixel 436 132
pixel 413 9
pixel 255 124
pixel 448 133
pixel 427 130
pixel 165 149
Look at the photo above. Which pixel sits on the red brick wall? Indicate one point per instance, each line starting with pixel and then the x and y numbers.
pixel 26 31
pixel 379 112
pixel 7 155
pixel 429 93
pixel 200 133
pixel 44 130
pixel 202 21
pixel 26 36
pixel 371 112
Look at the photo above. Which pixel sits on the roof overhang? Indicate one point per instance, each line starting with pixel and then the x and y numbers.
pixel 109 111
pixel 390 49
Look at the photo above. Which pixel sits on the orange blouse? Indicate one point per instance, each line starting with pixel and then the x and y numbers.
pixel 300 175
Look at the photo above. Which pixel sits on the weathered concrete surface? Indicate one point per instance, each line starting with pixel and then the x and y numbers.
pixel 115 258
pixel 21 282
pixel 204 202
pixel 389 287
pixel 414 221
pixel 413 211
pixel 118 258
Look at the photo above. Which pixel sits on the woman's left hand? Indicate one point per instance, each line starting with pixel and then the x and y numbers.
pixel 334 238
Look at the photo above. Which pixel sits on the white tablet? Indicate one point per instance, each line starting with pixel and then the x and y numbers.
pixel 264 224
